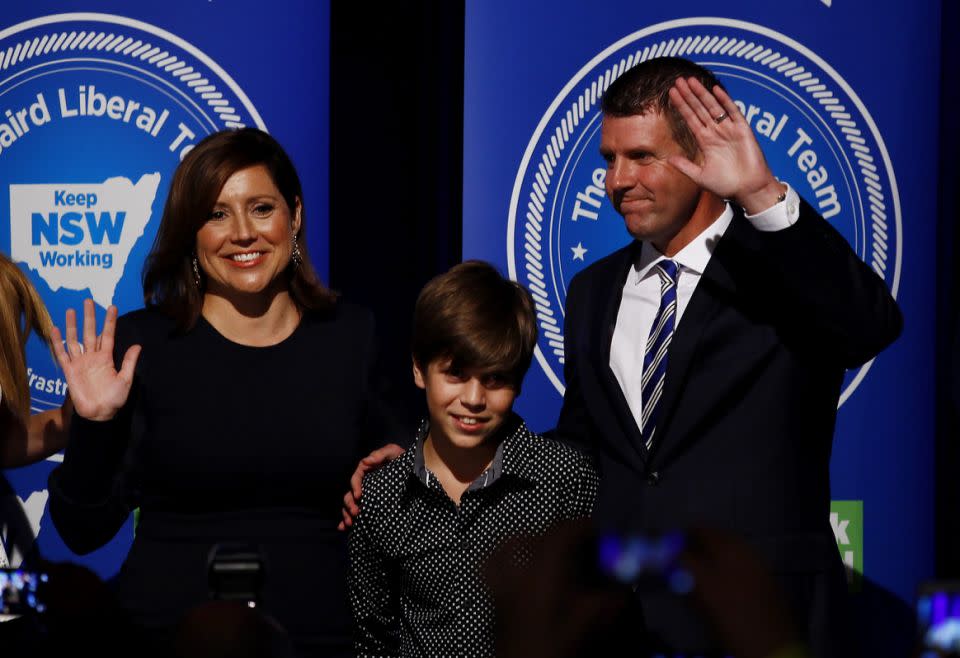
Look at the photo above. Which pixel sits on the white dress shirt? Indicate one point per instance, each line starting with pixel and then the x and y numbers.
pixel 641 291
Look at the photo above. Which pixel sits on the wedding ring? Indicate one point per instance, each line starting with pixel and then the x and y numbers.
pixel 721 117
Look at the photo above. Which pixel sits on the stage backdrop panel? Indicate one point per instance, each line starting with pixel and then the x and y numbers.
pixel 99 101
pixel 843 97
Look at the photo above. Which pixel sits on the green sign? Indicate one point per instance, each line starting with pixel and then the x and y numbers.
pixel 846 519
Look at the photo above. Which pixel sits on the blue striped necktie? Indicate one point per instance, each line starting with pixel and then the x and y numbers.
pixel 655 354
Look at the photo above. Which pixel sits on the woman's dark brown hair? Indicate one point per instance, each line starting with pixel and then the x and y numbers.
pixel 168 277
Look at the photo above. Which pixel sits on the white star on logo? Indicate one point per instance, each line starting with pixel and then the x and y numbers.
pixel 578 251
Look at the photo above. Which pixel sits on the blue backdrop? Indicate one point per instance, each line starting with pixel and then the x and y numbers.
pixel 96 109
pixel 844 100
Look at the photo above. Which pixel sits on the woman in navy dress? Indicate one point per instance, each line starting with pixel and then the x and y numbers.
pixel 230 410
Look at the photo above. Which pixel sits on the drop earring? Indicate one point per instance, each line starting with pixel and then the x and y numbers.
pixel 196 271
pixel 295 256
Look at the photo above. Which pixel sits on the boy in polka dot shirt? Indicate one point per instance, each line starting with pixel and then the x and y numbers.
pixel 474 476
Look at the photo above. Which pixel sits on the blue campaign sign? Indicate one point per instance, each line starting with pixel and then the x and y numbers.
pixel 806 76
pixel 96 110
pixel 816 132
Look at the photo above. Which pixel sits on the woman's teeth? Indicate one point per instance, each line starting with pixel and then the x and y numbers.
pixel 243 258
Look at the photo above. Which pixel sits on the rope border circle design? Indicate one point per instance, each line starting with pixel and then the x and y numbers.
pixel 679 47
pixel 136 49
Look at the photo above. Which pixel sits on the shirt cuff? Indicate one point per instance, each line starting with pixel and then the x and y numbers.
pixel 780 215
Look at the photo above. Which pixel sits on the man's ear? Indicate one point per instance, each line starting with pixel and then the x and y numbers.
pixel 419 376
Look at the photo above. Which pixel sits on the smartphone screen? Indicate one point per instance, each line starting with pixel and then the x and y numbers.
pixel 645 563
pixel 938 619
pixel 21 592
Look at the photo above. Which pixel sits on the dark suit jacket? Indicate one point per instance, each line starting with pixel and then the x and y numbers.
pixel 746 424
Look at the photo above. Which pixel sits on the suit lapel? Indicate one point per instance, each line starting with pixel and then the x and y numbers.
pixel 713 292
pixel 606 323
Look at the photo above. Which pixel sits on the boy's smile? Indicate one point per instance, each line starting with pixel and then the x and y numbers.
pixel 465 406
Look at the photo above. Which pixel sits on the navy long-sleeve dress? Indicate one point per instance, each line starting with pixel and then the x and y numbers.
pixel 221 442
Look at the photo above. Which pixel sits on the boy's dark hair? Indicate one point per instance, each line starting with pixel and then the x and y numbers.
pixel 645 88
pixel 476 318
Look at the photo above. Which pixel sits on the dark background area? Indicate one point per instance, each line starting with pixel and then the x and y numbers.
pixel 395 198
pixel 396 172
pixel 947 479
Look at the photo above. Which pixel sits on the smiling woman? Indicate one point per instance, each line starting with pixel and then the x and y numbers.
pixel 248 239
pixel 230 410
pixel 235 196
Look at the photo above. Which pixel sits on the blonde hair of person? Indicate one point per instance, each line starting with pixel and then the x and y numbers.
pixel 21 311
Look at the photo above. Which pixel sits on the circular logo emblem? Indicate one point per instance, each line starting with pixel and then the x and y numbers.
pixel 815 132
pixel 95 113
